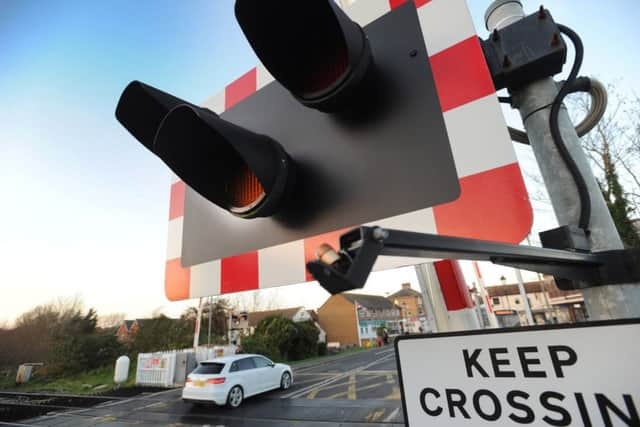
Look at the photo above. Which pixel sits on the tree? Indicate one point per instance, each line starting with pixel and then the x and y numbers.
pixel 219 309
pixel 613 147
pixel 258 300
pixel 78 346
pixel 162 333
pixel 32 337
pixel 617 202
pixel 280 338
pixel 305 342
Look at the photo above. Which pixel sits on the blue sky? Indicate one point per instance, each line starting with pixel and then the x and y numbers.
pixel 84 207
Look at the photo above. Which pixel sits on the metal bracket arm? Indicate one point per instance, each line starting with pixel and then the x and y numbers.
pixel 360 247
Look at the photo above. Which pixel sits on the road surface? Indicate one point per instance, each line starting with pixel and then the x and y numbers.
pixel 356 389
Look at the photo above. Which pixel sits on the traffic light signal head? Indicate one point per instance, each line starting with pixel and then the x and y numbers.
pixel 380 162
pixel 311 47
pixel 248 174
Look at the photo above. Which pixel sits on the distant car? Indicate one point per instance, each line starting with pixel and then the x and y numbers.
pixel 229 380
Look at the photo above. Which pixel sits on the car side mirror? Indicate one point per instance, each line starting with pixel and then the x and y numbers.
pixel 272 364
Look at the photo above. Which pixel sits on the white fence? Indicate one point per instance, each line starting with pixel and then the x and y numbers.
pixel 156 369
pixel 170 368
pixel 207 353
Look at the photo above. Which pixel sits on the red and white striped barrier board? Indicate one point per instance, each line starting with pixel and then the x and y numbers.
pixel 493 203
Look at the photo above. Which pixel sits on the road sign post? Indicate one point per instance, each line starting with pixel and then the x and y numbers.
pixel 493 321
pixel 541 375
pixel 534 103
pixel 446 296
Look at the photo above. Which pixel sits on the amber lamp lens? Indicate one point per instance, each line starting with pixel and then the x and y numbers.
pixel 244 189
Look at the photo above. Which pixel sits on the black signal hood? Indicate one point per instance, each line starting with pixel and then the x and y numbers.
pixel 311 47
pixel 246 173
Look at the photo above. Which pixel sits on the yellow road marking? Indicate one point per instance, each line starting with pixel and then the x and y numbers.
pixel 345 393
pixel 351 391
pixel 373 416
pixel 329 387
pixel 379 372
pixel 313 393
pixel 310 374
pixel 395 394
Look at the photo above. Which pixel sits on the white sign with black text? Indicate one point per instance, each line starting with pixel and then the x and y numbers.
pixel 562 375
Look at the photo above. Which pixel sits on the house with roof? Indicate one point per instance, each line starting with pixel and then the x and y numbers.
pixel 411 308
pixel 548 303
pixel 127 331
pixel 244 324
pixel 353 319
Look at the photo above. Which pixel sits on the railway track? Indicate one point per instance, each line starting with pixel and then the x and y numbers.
pixel 17 406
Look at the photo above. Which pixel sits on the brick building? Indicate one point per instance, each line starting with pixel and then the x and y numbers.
pixel 353 319
pixel 548 303
pixel 411 308
pixel 127 331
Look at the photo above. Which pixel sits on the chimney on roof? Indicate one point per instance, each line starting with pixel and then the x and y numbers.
pixel 406 285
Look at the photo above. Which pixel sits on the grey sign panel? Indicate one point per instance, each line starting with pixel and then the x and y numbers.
pixel 388 157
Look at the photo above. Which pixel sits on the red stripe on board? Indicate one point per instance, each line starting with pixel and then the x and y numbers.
pixel 176 200
pixel 476 268
pixel 176 280
pixel 239 273
pixel 493 205
pixel 461 74
pixel 241 88
pixel 454 288
pixel 395 3
pixel 312 243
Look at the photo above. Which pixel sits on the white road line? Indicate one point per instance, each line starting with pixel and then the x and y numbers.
pixel 2 423
pixel 305 390
pixel 385 351
pixel 158 393
pixel 391 415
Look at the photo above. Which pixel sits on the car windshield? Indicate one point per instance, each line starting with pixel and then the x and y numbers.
pixel 209 368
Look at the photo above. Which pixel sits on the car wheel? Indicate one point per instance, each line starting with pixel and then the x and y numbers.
pixel 285 381
pixel 235 397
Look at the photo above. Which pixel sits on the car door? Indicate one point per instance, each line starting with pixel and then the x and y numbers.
pixel 269 375
pixel 250 379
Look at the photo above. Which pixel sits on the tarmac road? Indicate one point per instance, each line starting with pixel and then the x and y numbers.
pixel 357 389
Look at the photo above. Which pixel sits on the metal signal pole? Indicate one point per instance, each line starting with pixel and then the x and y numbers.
pixel 534 103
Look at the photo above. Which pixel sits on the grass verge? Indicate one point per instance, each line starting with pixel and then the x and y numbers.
pixel 81 383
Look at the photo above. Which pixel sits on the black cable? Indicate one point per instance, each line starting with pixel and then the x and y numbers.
pixel 583 192
pixel 597 93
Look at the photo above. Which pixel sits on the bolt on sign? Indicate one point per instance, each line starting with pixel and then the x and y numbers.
pixel 436 159
pixel 560 375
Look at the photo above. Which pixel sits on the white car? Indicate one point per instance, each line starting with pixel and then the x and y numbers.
pixel 228 380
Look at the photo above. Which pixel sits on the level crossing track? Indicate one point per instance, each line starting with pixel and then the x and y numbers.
pixel 354 389
pixel 18 405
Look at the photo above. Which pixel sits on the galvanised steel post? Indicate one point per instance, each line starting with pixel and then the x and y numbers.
pixel 534 103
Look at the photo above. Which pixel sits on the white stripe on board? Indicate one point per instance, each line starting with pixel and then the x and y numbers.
pixel 282 264
pixel 205 279
pixel 479 148
pixel 215 103
pixel 366 11
pixel 263 77
pixel 421 221
pixel 174 238
pixel 445 23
